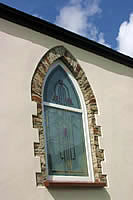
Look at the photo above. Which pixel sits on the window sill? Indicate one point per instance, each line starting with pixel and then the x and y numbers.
pixel 74 184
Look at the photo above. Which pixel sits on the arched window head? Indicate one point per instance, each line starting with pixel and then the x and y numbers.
pixel 64 123
pixel 59 88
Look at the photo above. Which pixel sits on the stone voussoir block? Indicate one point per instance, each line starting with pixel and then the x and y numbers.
pixel 36 88
pixel 40 179
pixel 103 178
pixel 36 98
pixel 97 170
pixel 42 69
pixel 39 77
pixel 37 149
pixel 60 51
pixel 41 73
pixel 97 130
pixel 45 63
pixel 51 58
pixel 100 154
pixel 37 122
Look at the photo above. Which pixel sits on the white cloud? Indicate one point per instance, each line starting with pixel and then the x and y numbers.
pixel 91 7
pixel 125 37
pixel 101 40
pixel 92 31
pixel 75 1
pixel 75 16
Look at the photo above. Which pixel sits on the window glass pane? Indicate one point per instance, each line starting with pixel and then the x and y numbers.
pixel 59 89
pixel 65 143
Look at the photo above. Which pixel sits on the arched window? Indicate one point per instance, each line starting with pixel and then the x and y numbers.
pixel 67 144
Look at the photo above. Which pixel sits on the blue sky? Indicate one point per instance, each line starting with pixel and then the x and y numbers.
pixel 107 22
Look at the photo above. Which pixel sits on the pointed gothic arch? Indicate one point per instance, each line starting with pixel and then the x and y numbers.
pixel 61 53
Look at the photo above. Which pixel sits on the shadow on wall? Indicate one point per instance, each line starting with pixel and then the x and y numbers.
pixel 79 194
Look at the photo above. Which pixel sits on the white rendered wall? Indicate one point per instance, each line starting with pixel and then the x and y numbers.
pixel 112 83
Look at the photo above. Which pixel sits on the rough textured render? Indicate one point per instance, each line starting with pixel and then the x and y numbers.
pixel 60 52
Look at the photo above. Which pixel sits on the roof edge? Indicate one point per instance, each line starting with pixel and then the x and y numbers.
pixel 44 27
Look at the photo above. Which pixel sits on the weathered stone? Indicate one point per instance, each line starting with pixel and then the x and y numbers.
pixel 45 63
pixel 41 74
pixel 97 130
pixel 37 122
pixel 81 76
pixel 36 147
pixel 40 178
pixel 51 57
pixel 97 176
pixel 86 90
pixel 100 154
pixel 36 87
pixel 36 98
pixel 97 170
pixel 87 94
pixel 103 178
pixel 38 77
pixel 42 69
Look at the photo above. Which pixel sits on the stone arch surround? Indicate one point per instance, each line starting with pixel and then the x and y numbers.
pixel 60 52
